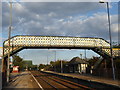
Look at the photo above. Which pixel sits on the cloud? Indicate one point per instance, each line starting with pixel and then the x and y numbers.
pixel 60 19
pixel 63 9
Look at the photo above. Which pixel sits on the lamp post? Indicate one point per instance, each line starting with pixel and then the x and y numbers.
pixel 9 35
pixel 81 56
pixel 111 52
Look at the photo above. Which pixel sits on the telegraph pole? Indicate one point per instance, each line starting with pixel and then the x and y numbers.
pixel 47 58
pixel 85 54
pixel 55 60
pixel 61 66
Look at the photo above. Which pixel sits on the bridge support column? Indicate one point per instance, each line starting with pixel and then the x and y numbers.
pixel 4 72
pixel 4 69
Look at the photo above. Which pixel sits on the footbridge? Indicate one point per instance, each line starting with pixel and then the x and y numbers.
pixel 18 43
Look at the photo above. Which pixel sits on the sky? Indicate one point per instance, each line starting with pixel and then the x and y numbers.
pixel 78 19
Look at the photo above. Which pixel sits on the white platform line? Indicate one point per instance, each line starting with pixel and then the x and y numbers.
pixel 37 82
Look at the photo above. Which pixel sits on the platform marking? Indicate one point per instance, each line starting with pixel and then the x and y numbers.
pixel 37 82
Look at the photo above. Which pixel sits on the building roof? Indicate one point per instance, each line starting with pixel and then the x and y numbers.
pixel 77 60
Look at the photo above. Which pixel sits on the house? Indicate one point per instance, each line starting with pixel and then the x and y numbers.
pixel 77 65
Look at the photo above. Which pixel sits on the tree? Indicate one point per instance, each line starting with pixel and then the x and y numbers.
pixel 116 45
pixel 18 61
pixel 41 66
pixel 56 65
pixel 93 60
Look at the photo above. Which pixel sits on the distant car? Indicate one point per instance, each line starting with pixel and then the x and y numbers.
pixel 42 69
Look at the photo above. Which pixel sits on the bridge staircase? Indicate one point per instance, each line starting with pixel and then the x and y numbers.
pixel 106 54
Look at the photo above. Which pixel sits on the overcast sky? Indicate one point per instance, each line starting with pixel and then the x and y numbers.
pixel 81 19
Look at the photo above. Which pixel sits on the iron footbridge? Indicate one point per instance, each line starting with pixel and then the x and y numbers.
pixel 17 43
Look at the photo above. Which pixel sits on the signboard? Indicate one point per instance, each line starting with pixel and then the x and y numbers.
pixel 15 69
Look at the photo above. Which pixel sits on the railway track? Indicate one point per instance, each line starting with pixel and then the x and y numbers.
pixel 48 81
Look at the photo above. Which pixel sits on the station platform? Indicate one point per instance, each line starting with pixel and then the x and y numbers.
pixel 90 78
pixel 22 80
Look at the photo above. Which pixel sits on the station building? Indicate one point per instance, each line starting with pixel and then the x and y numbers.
pixel 76 65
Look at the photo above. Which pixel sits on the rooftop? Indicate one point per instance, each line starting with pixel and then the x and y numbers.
pixel 77 60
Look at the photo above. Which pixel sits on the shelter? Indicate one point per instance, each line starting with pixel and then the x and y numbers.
pixel 77 65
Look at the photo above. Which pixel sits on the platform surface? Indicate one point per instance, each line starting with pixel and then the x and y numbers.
pixel 90 78
pixel 21 80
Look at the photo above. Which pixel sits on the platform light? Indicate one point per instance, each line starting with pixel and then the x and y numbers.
pixel 111 51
